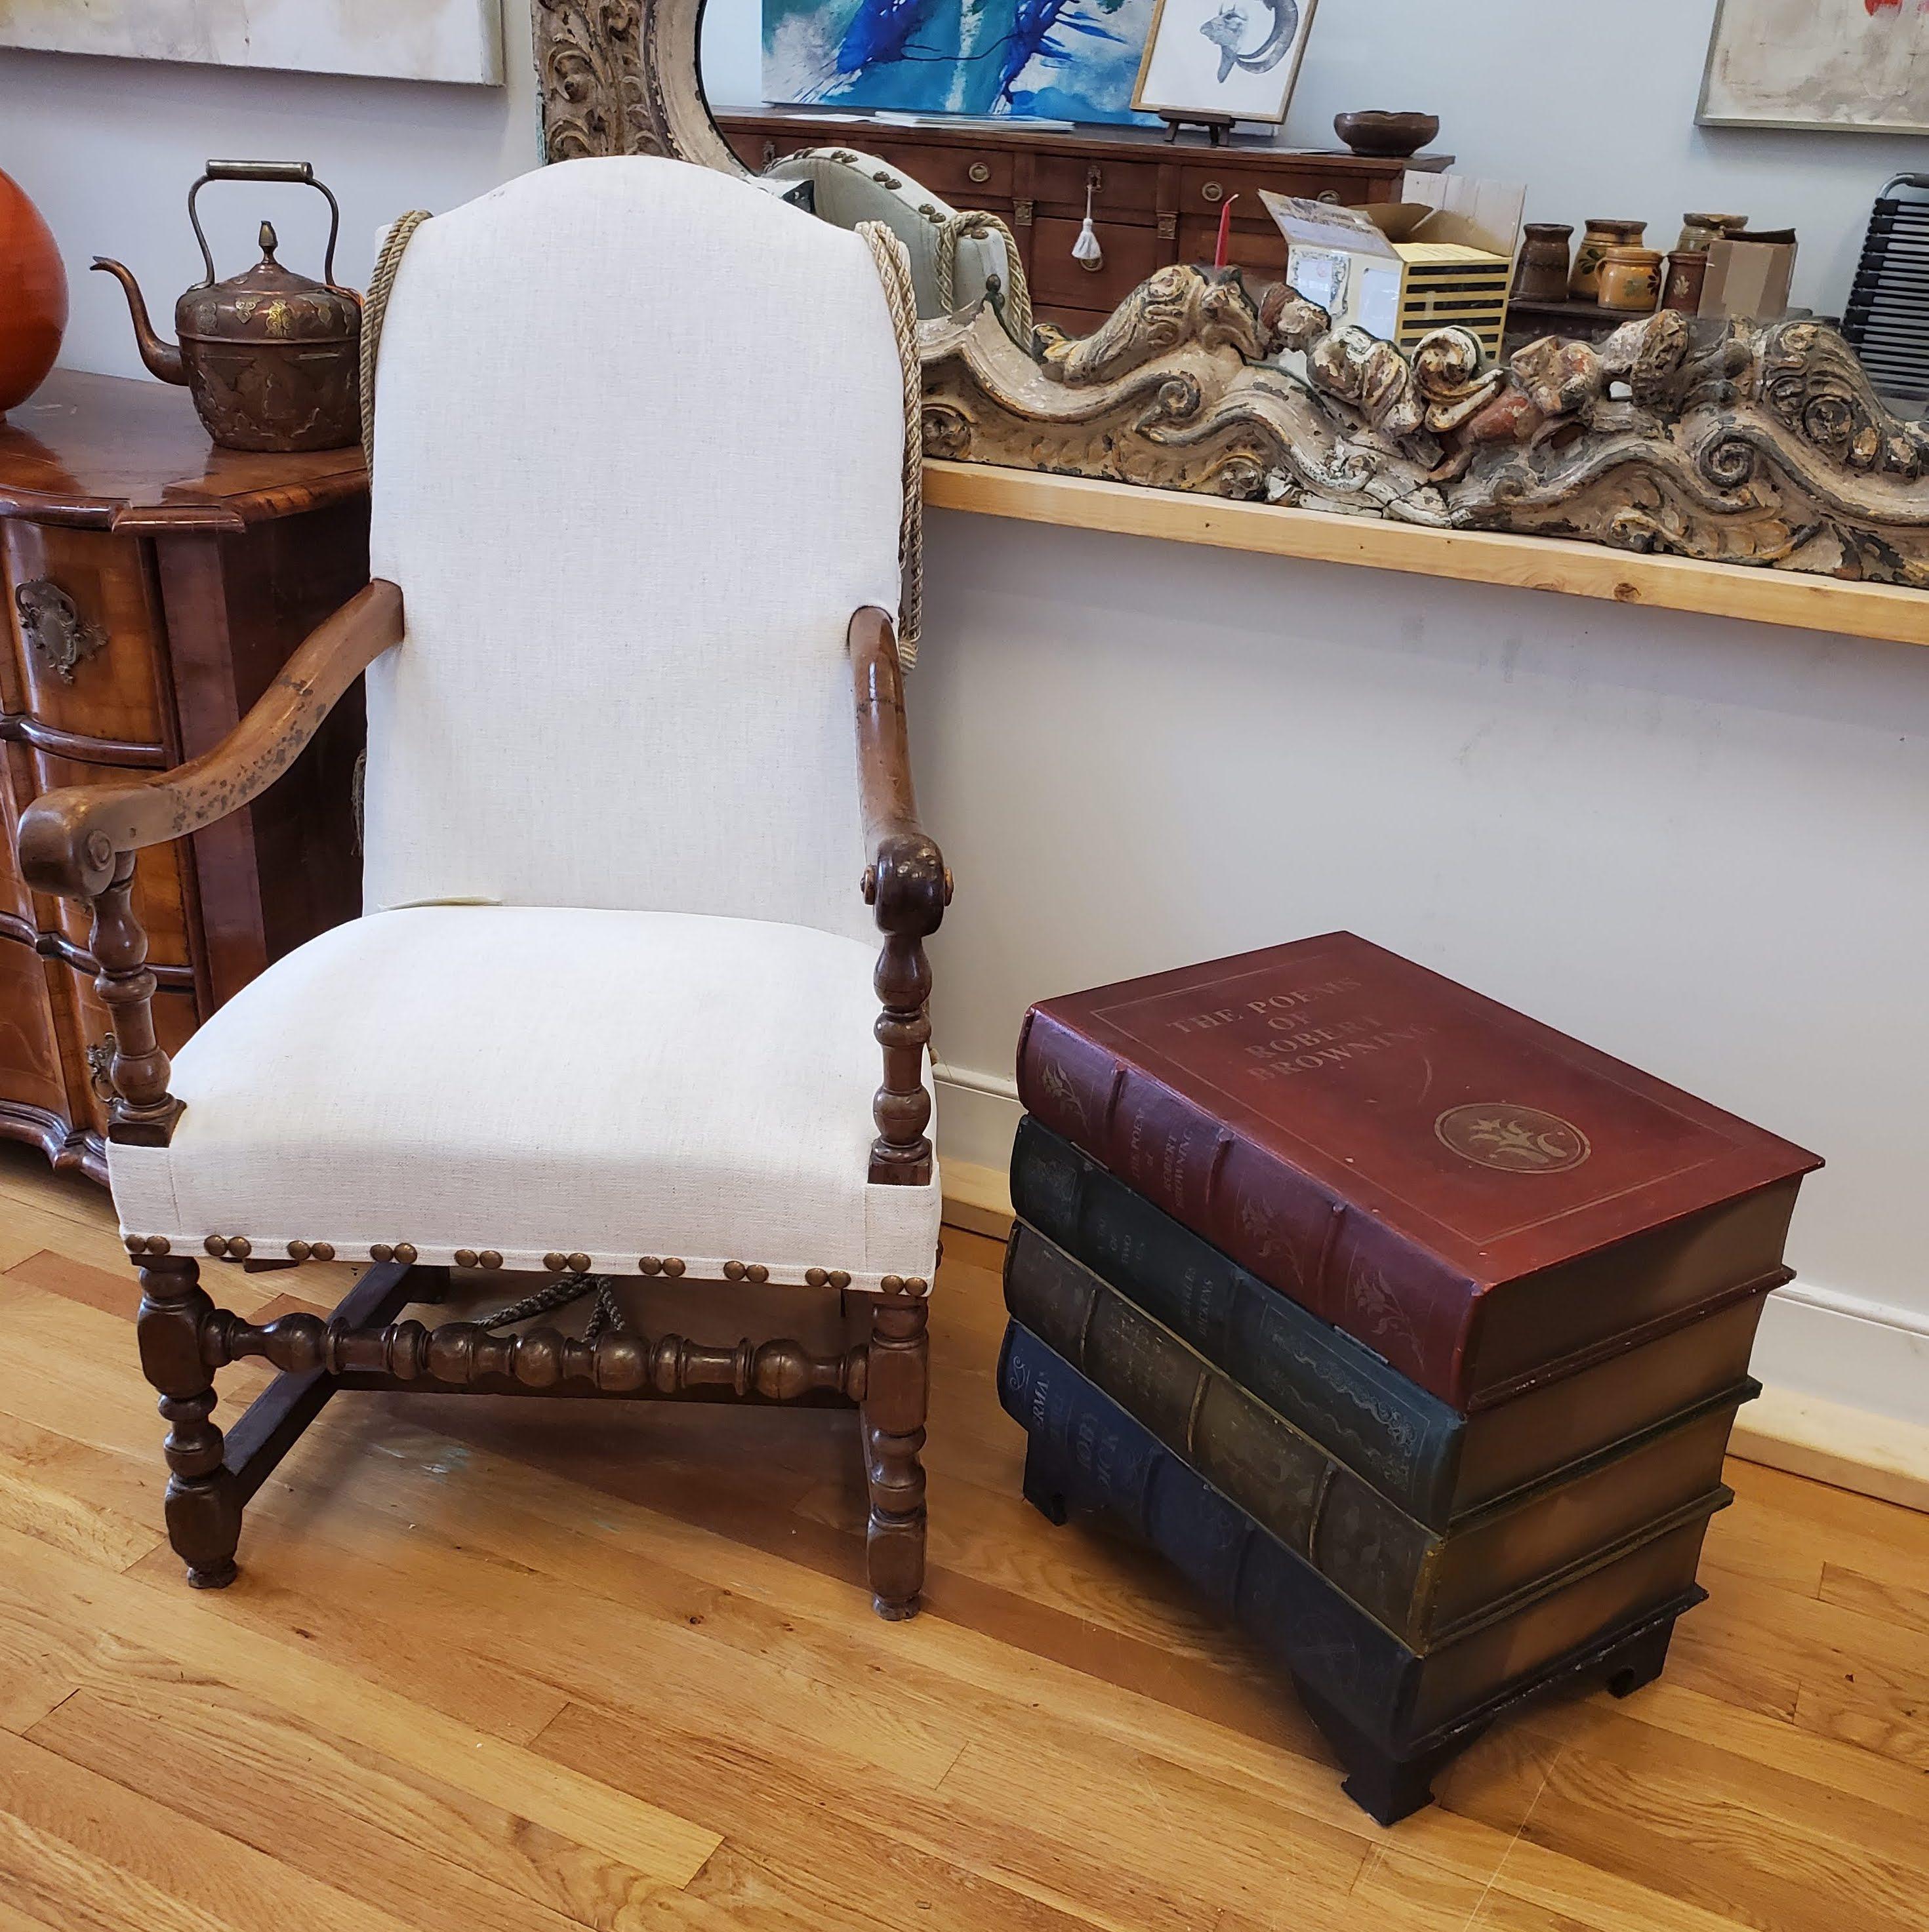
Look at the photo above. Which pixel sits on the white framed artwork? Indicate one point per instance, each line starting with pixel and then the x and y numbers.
pixel 408 39
pixel 1237 59
pixel 1855 66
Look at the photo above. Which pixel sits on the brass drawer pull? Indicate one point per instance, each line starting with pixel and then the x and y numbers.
pixel 1330 195
pixel 1213 191
pixel 51 624
pixel 1091 268
pixel 980 172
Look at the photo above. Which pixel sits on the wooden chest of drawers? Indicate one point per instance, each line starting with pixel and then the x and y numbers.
pixel 152 586
pixel 1153 202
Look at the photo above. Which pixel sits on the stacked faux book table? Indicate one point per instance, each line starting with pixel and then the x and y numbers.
pixel 1409 1330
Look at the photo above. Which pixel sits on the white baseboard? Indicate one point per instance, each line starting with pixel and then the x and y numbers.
pixel 1846 1378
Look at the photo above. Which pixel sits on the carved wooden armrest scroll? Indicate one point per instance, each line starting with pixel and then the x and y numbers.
pixel 907 886
pixel 80 843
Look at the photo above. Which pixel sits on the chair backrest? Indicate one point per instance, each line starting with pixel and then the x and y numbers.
pixel 639 438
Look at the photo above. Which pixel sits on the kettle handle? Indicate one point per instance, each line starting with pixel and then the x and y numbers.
pixel 302 173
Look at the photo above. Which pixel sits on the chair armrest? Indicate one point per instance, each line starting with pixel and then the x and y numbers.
pixel 71 841
pixel 905 878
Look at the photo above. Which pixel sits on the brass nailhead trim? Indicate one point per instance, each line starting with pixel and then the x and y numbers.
pixel 134 1243
pixel 298 1251
pixel 382 1251
pixel 838 1279
pixel 490 1259
pixel 579 1264
pixel 892 1284
pixel 733 1270
pixel 555 1261
pixel 917 1284
pixel 816 1278
pixel 239 1248
pixel 217 1245
pixel 649 1264
pixel 465 1257
pixel 405 1253
pixel 671 1265
pixel 758 1272
pixel 321 1251
pixel 157 1244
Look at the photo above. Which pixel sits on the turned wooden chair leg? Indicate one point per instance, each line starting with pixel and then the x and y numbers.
pixel 896 1399
pixel 204 1509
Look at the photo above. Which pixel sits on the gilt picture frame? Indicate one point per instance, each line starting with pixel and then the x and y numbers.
pixel 1236 60
pixel 1848 66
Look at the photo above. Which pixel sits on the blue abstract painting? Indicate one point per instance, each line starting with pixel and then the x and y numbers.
pixel 1063 60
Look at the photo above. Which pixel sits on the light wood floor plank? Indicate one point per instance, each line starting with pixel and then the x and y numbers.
pixel 494 1665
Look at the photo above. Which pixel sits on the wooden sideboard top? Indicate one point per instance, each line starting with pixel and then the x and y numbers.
pixel 1146 143
pixel 107 452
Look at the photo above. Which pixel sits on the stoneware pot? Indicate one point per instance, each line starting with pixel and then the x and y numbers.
pixel 1687 272
pixel 1389 136
pixel 1541 275
pixel 33 296
pixel 1602 234
pixel 1699 231
pixel 1630 279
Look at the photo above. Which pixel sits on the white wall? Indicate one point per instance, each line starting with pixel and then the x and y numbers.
pixel 1696 843
pixel 1593 107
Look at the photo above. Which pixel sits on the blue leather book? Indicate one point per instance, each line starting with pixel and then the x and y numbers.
pixel 1086 1452
pixel 1435 1465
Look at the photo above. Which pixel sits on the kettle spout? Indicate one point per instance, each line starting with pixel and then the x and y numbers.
pixel 163 358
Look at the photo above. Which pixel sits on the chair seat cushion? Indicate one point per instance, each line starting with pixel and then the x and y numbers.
pixel 535 1081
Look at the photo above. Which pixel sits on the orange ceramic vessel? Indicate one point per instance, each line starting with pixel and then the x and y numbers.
pixel 33 296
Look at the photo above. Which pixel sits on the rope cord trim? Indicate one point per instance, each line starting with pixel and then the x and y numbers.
pixel 893 263
pixel 974 225
pixel 374 309
pixel 607 1317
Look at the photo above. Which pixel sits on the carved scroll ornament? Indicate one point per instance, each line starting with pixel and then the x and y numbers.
pixel 1719 440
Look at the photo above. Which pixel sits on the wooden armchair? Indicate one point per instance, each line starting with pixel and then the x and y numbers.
pixel 608 1011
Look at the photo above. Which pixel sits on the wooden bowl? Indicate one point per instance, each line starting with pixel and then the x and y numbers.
pixel 1386 137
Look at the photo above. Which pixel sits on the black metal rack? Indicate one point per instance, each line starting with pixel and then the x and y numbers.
pixel 1887 317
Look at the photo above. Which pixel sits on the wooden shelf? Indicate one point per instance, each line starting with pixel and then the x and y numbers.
pixel 1805 602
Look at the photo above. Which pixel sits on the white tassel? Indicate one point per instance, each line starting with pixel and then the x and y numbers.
pixel 1086 249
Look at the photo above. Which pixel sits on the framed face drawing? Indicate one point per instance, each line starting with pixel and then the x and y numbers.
pixel 1231 59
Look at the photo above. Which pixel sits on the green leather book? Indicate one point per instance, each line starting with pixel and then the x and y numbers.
pixel 1424 1586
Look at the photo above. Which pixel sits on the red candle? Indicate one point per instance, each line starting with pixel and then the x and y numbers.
pixel 1219 254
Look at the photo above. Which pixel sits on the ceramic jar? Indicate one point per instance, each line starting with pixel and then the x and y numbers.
pixel 33 297
pixel 1541 275
pixel 1699 231
pixel 1687 271
pixel 1630 279
pixel 1601 235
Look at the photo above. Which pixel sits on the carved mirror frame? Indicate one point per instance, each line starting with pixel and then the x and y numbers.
pixel 1724 441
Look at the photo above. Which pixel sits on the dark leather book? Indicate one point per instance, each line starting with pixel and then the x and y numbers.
pixel 1423 1586
pixel 1486 1203
pixel 1436 1464
pixel 1085 1452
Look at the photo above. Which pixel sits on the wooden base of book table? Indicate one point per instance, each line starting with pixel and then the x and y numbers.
pixel 1390 1778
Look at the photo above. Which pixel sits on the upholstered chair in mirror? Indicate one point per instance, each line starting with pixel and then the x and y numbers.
pixel 957 256
pixel 640 988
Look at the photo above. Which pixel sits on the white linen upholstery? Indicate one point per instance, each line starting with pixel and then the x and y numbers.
pixel 535 1080
pixel 851 187
pixel 639 456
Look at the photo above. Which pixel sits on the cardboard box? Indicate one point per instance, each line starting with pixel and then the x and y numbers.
pixel 1748 281
pixel 1441 255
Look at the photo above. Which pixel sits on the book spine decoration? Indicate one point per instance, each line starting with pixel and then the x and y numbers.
pixel 1253 1205
pixel 1379 1557
pixel 1403 1442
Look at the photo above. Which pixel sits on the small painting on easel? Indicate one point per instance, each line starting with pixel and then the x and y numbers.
pixel 1221 61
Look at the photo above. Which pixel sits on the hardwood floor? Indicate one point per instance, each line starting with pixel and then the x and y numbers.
pixel 492 1665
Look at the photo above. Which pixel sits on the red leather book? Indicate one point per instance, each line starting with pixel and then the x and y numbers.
pixel 1487 1203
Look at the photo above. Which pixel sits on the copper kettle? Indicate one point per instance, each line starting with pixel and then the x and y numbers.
pixel 272 359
